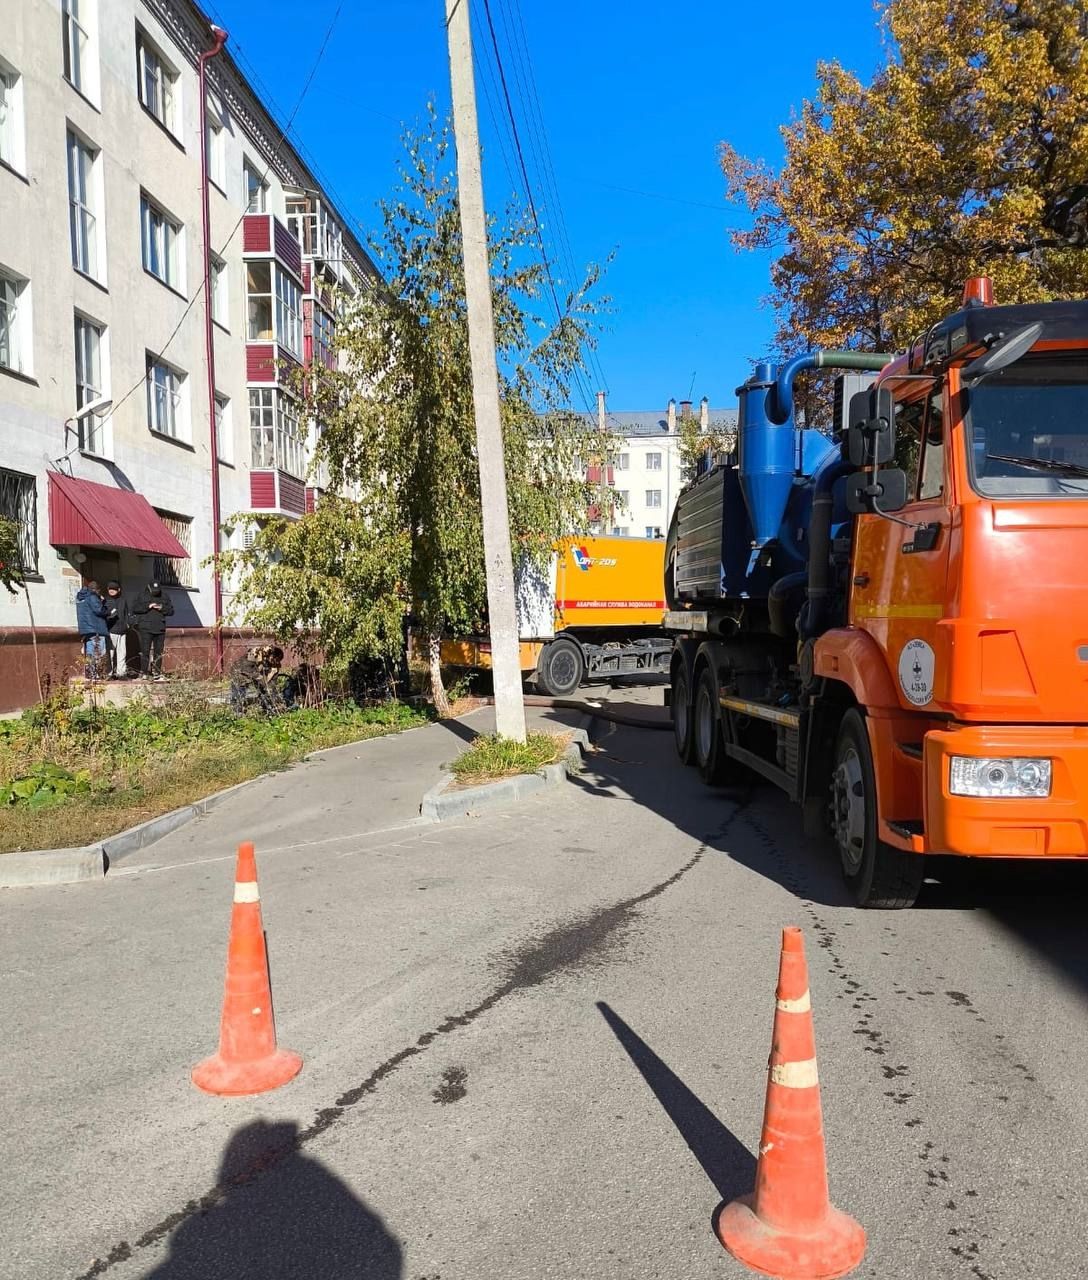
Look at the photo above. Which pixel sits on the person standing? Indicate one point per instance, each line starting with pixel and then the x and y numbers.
pixel 151 609
pixel 92 627
pixel 119 621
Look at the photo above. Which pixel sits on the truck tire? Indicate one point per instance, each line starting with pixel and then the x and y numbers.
pixel 561 668
pixel 706 732
pixel 878 875
pixel 680 701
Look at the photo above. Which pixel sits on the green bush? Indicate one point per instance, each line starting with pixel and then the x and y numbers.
pixel 44 784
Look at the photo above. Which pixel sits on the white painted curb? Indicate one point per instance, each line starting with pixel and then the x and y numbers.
pixel 440 803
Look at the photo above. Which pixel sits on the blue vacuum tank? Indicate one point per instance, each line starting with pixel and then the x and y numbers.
pixel 767 453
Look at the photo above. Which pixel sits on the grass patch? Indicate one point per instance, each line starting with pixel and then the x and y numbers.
pixel 71 775
pixel 491 756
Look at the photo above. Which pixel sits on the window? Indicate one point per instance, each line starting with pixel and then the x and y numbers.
pixel 90 384
pixel 15 326
pixel 623 462
pixel 322 330
pixel 82 202
pixel 931 477
pixel 161 243
pixel 288 313
pixel 653 497
pixel 215 143
pixel 77 17
pixel 623 497
pixel 165 409
pixel 653 462
pixel 175 571
pixel 653 531
pixel 620 531
pixel 223 441
pixel 262 428
pixel 287 329
pixel 255 188
pixel 11 117
pixel 275 438
pixel 19 504
pixel 259 301
pixel 220 291
pixel 157 82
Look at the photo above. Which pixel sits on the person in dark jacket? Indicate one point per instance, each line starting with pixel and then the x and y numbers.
pixel 119 621
pixel 151 609
pixel 92 628
pixel 251 679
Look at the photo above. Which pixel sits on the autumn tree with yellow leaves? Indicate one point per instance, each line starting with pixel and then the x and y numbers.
pixel 966 155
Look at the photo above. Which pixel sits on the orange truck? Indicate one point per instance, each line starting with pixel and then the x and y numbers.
pixel 593 611
pixel 892 624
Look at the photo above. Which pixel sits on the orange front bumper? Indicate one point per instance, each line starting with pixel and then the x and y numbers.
pixel 1008 827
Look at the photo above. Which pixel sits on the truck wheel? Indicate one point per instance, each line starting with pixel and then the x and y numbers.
pixel 706 732
pixel 878 874
pixel 681 714
pixel 561 668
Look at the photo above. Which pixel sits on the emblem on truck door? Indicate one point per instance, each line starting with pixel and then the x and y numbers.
pixel 916 662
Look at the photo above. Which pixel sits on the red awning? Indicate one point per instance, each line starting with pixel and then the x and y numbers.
pixel 82 513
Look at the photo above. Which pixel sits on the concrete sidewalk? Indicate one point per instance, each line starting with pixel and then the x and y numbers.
pixel 341 797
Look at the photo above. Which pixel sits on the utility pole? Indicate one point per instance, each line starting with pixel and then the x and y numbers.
pixel 501 600
pixel 604 505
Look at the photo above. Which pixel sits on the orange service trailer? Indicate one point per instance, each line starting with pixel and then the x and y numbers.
pixel 593 611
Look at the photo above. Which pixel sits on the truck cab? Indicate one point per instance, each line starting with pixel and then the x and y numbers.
pixel 967 627
pixel 905 649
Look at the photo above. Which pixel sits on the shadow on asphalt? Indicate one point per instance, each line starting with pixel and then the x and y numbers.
pixel 726 1161
pixel 297 1220
pixel 1040 903
pixel 460 730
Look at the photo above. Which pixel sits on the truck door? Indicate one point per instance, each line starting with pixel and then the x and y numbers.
pixel 900 566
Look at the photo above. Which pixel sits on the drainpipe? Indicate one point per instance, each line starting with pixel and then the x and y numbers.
pixel 220 38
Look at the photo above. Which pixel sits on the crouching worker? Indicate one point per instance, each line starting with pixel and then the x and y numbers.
pixel 251 679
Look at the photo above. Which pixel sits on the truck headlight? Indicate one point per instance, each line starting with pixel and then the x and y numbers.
pixel 999 776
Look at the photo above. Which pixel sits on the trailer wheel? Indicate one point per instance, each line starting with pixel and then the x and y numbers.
pixel 681 714
pixel 878 874
pixel 706 732
pixel 561 668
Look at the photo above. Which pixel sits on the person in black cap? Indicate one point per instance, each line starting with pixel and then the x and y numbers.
pixel 119 621
pixel 152 608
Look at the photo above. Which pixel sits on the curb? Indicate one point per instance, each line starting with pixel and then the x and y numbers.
pixel 91 862
pixel 440 804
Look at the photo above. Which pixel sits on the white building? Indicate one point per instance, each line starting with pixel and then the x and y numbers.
pixel 101 295
pixel 647 473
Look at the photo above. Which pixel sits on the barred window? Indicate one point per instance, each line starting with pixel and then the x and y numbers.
pixel 175 571
pixel 19 504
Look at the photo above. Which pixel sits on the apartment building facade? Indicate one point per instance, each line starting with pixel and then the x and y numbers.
pixel 101 300
pixel 646 473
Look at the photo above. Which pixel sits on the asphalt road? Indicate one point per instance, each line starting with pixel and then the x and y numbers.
pixel 535 1042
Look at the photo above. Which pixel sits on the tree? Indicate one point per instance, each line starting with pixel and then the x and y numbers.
pixel 694 441
pixel 398 433
pixel 966 155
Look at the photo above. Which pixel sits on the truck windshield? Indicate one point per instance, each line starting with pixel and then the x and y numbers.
pixel 1028 425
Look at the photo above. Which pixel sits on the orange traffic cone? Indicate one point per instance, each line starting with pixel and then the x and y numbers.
pixel 248 1060
pixel 788 1228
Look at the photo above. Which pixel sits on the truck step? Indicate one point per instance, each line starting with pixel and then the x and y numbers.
pixel 907 827
pixel 911 749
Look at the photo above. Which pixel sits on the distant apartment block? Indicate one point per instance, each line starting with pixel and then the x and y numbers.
pixel 101 298
pixel 645 475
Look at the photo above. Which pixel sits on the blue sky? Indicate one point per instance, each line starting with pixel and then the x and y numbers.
pixel 634 97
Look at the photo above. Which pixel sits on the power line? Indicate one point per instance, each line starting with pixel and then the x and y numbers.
pixel 536 116
pixel 559 311
pixel 234 230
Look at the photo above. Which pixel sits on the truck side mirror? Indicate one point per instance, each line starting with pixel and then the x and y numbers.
pixel 871 433
pixel 876 491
